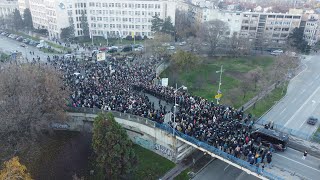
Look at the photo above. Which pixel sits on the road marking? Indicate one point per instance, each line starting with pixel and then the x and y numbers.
pixel 294 100
pixel 298 162
pixel 301 106
pixel 226 167
pixel 283 111
pixel 303 91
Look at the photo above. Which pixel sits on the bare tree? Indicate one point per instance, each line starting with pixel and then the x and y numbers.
pixel 255 75
pixel 213 33
pixel 157 44
pixel 183 24
pixel 31 97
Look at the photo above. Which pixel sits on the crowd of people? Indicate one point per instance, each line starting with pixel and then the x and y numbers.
pixel 122 84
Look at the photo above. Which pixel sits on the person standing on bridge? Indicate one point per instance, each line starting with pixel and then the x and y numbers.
pixel 304 155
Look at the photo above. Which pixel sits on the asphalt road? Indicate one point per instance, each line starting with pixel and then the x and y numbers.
pixel 218 170
pixel 8 45
pixel 286 163
pixel 301 101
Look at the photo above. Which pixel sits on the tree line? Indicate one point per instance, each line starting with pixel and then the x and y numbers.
pixel 16 22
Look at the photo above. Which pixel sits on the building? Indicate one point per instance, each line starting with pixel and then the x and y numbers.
pixel 311 26
pixel 268 27
pixel 7 7
pixel 121 18
pixel 232 18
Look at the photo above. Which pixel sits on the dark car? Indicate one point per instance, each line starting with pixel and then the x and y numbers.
pixel 267 137
pixel 312 120
pixel 20 38
pixel 127 49
pixel 26 41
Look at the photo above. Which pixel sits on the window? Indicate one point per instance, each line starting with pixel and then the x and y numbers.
pixel 111 4
pixel 150 6
pixel 137 13
pixel 271 16
pixel 91 4
pixel 105 19
pixel 119 26
pixel 111 12
pixel 98 4
pixel 124 12
pixel 296 17
pixel 104 4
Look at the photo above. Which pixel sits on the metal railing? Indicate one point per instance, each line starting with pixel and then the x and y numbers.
pixel 300 134
pixel 169 129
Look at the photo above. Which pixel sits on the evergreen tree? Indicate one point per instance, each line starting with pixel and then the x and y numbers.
pixel 167 26
pixel 84 25
pixel 17 20
pixel 297 40
pixel 12 169
pixel 157 23
pixel 27 19
pixel 113 148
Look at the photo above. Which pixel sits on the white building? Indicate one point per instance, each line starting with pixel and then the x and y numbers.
pixel 7 7
pixel 121 18
pixel 232 18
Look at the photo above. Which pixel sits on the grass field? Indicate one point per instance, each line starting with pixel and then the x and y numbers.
pixel 150 165
pixel 268 101
pixel 204 81
pixel 183 175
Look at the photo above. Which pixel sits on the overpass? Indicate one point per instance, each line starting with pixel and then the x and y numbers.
pixel 157 137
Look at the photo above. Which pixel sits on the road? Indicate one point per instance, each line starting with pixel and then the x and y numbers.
pixel 301 101
pixel 285 163
pixel 218 170
pixel 8 45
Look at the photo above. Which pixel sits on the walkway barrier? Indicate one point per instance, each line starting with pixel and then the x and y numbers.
pixel 296 133
pixel 190 139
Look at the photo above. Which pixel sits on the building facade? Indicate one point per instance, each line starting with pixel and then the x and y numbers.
pixel 121 18
pixel 23 4
pixel 7 7
pixel 311 28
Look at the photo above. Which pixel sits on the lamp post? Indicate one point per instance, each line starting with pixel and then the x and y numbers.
pixel 219 91
pixel 175 104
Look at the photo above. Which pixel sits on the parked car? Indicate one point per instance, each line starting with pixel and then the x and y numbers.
pixel 23 45
pixel 39 46
pixel 26 40
pixel 20 38
pixel 312 120
pixel 127 49
pixel 171 48
pixel 276 52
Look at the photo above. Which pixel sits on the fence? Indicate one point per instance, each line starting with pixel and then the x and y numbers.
pixel 296 133
pixel 190 139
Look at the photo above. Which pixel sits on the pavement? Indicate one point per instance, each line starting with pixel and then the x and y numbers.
pixel 301 101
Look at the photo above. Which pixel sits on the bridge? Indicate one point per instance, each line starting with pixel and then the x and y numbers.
pixel 158 138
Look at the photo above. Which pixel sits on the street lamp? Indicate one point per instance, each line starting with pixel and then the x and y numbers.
pixel 219 91
pixel 175 105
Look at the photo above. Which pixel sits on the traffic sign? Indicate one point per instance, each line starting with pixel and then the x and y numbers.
pixel 218 96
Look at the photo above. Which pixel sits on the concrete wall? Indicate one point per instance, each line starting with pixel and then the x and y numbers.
pixel 141 131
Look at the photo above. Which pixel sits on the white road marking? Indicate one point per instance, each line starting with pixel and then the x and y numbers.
pixel 303 91
pixel 226 167
pixel 294 100
pixel 298 162
pixel 283 111
pixel 301 107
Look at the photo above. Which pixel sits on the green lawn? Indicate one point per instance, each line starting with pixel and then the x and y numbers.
pixel 268 101
pixel 150 165
pixel 204 81
pixel 4 57
pixel 183 175
pixel 58 46
pixel 316 136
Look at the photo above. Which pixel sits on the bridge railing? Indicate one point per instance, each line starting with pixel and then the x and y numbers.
pixel 218 152
pixel 117 114
pixel 296 133
pixel 190 139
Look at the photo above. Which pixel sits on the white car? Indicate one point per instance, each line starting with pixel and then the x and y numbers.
pixel 39 46
pixel 171 48
pixel 276 52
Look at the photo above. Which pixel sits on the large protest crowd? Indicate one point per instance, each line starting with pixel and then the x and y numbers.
pixel 121 84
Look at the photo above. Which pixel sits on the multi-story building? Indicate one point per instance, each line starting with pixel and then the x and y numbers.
pixel 7 7
pixel 232 18
pixel 268 27
pixel 311 28
pixel 120 18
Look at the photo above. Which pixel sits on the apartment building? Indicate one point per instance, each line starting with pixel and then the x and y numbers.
pixel 7 7
pixel 120 18
pixel 270 27
pixel 232 18
pixel 311 28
